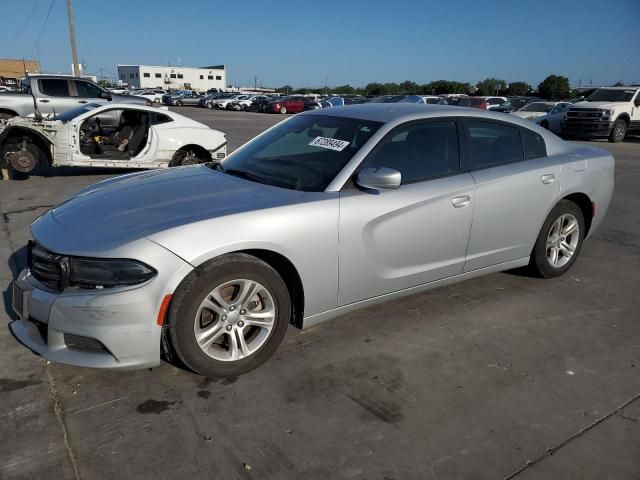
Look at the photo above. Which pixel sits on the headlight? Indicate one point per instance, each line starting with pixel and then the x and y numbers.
pixel 565 114
pixel 105 273
pixel 606 113
pixel 148 102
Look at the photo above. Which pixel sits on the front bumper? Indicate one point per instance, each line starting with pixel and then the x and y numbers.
pixel 115 328
pixel 587 128
pixel 122 323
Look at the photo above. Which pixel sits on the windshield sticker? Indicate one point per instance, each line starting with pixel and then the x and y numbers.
pixel 330 143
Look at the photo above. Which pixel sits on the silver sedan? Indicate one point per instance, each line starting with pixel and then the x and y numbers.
pixel 327 212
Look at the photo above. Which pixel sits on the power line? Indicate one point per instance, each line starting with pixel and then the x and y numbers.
pixel 35 5
pixel 46 20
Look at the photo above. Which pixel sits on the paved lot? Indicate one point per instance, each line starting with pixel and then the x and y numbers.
pixel 470 381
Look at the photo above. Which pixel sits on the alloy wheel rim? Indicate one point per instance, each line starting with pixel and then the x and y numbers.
pixel 562 240
pixel 620 130
pixel 234 320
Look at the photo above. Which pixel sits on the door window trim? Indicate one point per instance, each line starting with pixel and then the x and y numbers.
pixel 470 164
pixel 462 151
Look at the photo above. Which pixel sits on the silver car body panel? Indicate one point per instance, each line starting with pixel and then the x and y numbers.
pixel 351 248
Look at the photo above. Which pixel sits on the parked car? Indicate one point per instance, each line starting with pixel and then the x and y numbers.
pixel 224 100
pixel 546 114
pixel 170 97
pixel 262 105
pixel 388 99
pixel 293 104
pixel 609 112
pixel 245 103
pixel 113 135
pixel 355 100
pixel 188 99
pixel 452 99
pixel 518 102
pixel 325 213
pixel 483 103
pixel 53 94
pixel 154 95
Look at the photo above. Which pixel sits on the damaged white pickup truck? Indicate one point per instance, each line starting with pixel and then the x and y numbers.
pixel 113 135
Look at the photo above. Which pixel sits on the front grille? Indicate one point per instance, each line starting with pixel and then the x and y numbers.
pixel 48 267
pixel 585 114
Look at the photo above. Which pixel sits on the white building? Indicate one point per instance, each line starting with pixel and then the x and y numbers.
pixel 148 76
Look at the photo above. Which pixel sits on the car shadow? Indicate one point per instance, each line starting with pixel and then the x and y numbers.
pixel 17 261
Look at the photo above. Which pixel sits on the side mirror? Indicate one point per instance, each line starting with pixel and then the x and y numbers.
pixel 106 95
pixel 382 178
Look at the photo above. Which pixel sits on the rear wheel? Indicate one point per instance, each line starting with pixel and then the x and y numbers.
pixel 283 110
pixel 209 105
pixel 229 316
pixel 619 131
pixel 559 242
pixel 179 103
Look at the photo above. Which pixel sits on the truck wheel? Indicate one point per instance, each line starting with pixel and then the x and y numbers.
pixel 619 131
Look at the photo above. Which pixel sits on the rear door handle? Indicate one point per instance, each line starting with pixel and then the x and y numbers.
pixel 460 202
pixel 548 178
pixel 82 101
pixel 44 100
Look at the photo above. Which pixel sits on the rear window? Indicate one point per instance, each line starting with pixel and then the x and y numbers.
pixel 533 144
pixel 492 144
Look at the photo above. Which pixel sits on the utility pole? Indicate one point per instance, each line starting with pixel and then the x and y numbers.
pixel 255 82
pixel 72 35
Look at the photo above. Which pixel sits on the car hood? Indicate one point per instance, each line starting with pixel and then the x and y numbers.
pixel 529 115
pixel 129 207
pixel 598 104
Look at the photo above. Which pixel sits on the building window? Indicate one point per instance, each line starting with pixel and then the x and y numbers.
pixel 210 77
pixel 172 75
pixel 137 75
pixel 180 75
pixel 201 77
pixel 146 75
pixel 131 75
pixel 158 75
pixel 218 77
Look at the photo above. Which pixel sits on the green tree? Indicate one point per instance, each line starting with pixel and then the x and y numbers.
pixel 491 86
pixel 519 88
pixel 287 89
pixel 390 89
pixel 374 88
pixel 438 87
pixel 408 87
pixel 343 90
pixel 554 87
pixel 619 84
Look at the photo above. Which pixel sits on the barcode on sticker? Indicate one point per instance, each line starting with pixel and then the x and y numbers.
pixel 330 143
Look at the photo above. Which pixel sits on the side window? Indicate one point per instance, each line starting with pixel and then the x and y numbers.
pixel 492 144
pixel 420 151
pixel 533 144
pixel 54 87
pixel 87 90
pixel 159 118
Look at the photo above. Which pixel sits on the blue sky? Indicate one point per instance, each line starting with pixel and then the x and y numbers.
pixel 349 41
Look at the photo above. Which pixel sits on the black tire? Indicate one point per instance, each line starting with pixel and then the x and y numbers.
pixel 209 105
pixel 539 265
pixel 619 131
pixel 179 329
pixel 179 103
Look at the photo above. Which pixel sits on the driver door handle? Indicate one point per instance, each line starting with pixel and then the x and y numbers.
pixel 44 100
pixel 459 202
pixel 82 101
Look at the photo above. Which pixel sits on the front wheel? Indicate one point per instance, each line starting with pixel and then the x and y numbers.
pixel 559 242
pixel 156 100
pixel 229 316
pixel 283 110
pixel 179 103
pixel 619 131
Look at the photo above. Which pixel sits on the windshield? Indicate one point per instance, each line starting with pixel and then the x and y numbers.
pixel 303 153
pixel 76 112
pixel 611 95
pixel 537 107
pixel 412 99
